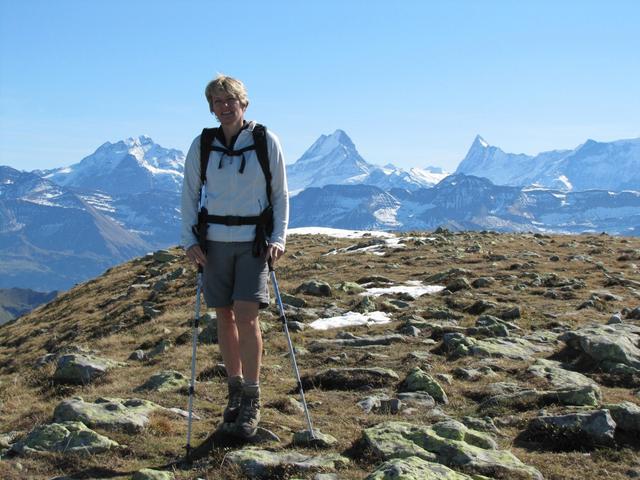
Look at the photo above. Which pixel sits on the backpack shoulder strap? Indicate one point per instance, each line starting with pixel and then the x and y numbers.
pixel 260 142
pixel 206 140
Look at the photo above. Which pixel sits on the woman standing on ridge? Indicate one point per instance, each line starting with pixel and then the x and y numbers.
pixel 245 227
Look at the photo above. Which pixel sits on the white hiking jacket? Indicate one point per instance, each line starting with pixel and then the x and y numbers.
pixel 230 192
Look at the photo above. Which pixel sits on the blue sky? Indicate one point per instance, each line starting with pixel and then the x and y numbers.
pixel 411 82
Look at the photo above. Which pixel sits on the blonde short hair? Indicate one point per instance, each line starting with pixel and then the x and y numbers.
pixel 226 85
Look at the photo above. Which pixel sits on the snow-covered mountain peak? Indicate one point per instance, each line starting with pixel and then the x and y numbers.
pixel 131 164
pixel 613 166
pixel 480 142
pixel 342 138
pixel 338 141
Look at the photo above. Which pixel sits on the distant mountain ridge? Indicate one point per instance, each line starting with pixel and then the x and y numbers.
pixel 18 301
pixel 125 167
pixel 464 202
pixel 334 160
pixel 65 225
pixel 593 165
pixel 50 238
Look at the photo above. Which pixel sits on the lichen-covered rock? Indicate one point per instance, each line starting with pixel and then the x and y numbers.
pixel 571 388
pixel 256 463
pixel 626 415
pixel 415 468
pixel 149 474
pixel 350 378
pixel 165 381
pixel 516 348
pixel 350 288
pixel 130 415
pixel 473 374
pixel 607 345
pixel 316 288
pixel 356 341
pixel 380 405
pixel 574 430
pixel 293 301
pixel 82 369
pixel 161 347
pixel 449 443
pixel 419 381
pixel 366 305
pixel 66 437
pixel 303 438
pixel 446 276
pixel 417 399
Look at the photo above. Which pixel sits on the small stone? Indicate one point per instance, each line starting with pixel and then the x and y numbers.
pixel 445 377
pixel 615 318
pixel 457 284
pixel 138 356
pixel 483 282
pixel 161 347
pixel 409 331
pixel 293 301
pixel 315 287
pixel 366 305
pixel 634 314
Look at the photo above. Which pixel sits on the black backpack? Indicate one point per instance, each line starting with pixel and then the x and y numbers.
pixel 264 221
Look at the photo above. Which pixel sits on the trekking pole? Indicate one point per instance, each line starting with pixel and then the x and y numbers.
pixel 294 364
pixel 192 385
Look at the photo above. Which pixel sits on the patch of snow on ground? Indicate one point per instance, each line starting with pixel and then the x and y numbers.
pixel 413 287
pixel 377 248
pixel 351 319
pixel 338 232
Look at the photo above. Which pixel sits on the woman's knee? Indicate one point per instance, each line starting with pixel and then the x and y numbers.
pixel 246 313
pixel 225 315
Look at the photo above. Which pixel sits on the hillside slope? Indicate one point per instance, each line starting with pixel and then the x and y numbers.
pixel 535 287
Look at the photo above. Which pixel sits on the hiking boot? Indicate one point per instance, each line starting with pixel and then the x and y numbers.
pixel 233 404
pixel 247 422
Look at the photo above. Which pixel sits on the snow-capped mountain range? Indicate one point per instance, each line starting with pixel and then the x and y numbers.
pixel 50 238
pixel 127 167
pixel 62 226
pixel 334 160
pixel 613 166
pixel 464 202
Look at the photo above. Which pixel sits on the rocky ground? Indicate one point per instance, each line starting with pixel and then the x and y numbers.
pixel 525 364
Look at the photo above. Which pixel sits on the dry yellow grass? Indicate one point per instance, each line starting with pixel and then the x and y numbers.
pixel 107 315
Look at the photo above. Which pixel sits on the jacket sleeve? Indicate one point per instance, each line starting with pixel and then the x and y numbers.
pixel 190 194
pixel 279 192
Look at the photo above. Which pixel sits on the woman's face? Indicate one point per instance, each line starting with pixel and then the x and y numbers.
pixel 227 108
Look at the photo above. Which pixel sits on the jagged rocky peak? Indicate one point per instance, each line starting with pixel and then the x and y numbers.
pixel 327 144
pixel 480 142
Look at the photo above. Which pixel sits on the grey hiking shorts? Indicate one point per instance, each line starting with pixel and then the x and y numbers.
pixel 233 273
